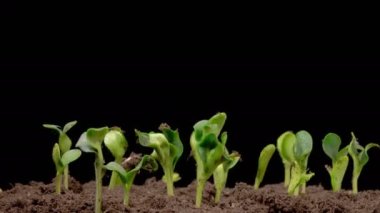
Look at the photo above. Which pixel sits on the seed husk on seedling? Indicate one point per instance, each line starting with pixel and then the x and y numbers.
pixel 265 156
pixel 294 150
pixel 117 145
pixel 62 155
pixel 359 155
pixel 91 141
pixel 330 144
pixel 208 150
pixel 167 149
pixel 127 175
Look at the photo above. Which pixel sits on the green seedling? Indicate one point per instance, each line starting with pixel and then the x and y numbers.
pixel 265 156
pixel 208 150
pixel 117 145
pixel 62 155
pixel 91 142
pixel 167 149
pixel 127 175
pixel 221 172
pixel 295 150
pixel 360 158
pixel 330 144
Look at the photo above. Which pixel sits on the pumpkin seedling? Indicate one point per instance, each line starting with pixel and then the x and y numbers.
pixel 265 156
pixel 167 149
pixel 360 158
pixel 91 142
pixel 295 150
pixel 62 155
pixel 208 150
pixel 127 175
pixel 117 145
pixel 330 144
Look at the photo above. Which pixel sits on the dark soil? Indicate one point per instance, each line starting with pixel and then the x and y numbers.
pixel 151 197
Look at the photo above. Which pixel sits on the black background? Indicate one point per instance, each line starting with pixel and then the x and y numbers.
pixel 267 83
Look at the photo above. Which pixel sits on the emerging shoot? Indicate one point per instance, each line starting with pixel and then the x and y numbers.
pixel 62 155
pixel 167 149
pixel 360 158
pixel 117 145
pixel 91 141
pixel 330 145
pixel 127 175
pixel 265 156
pixel 221 172
pixel 208 149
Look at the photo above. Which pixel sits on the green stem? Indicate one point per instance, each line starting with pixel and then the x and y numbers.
pixel 218 195
pixel 355 184
pixel 115 179
pixel 257 184
pixel 169 180
pixel 66 177
pixel 98 176
pixel 303 188
pixel 127 189
pixel 287 174
pixel 200 186
pixel 58 181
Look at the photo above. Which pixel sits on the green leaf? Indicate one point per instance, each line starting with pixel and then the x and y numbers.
pixel 64 142
pixel 176 144
pixel 303 146
pixel 56 154
pixel 68 126
pixel 285 146
pixel 96 135
pixel 70 156
pixel 52 126
pixel 265 156
pixel 218 120
pixel 152 140
pixel 84 144
pixel 113 166
pixel 116 143
pixel 331 144
pixel 363 156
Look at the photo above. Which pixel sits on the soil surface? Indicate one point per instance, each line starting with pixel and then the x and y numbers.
pixel 151 197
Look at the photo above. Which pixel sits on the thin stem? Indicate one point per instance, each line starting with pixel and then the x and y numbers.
pixel 287 174
pixel 66 177
pixel 169 180
pixel 115 179
pixel 355 184
pixel 303 188
pixel 257 184
pixel 98 176
pixel 218 195
pixel 127 189
pixel 58 181
pixel 200 186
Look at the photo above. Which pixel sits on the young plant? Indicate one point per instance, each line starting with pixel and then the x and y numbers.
pixel 117 145
pixel 60 149
pixel 127 175
pixel 167 149
pixel 284 142
pixel 360 158
pixel 208 150
pixel 221 172
pixel 91 142
pixel 330 144
pixel 296 149
pixel 265 156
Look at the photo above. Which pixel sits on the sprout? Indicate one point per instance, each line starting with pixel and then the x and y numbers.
pixel 91 141
pixel 209 150
pixel 221 172
pixel 62 155
pixel 127 176
pixel 360 158
pixel 117 144
pixel 265 156
pixel 330 145
pixel 294 151
pixel 168 149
